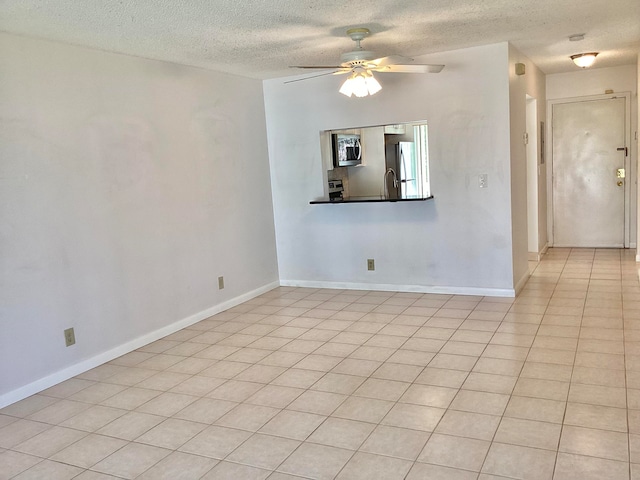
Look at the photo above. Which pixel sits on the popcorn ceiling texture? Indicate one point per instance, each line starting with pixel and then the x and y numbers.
pixel 262 38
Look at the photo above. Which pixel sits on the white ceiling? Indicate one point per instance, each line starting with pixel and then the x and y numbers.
pixel 262 38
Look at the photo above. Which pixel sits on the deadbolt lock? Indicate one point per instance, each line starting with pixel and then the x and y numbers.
pixel 620 173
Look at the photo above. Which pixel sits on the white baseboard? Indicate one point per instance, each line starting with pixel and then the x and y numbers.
pixel 536 257
pixel 521 283
pixel 485 292
pixel 78 368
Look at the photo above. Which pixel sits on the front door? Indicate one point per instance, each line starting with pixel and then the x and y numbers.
pixel 588 173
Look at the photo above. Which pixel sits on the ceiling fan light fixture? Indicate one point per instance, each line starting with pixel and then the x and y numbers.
pixel 347 87
pixel 360 84
pixel 584 60
pixel 372 84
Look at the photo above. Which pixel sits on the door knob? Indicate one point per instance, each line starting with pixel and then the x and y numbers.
pixel 619 183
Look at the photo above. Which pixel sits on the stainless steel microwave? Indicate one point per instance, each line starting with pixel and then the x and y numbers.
pixel 347 150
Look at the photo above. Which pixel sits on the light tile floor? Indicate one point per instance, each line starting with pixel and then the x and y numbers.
pixel 323 384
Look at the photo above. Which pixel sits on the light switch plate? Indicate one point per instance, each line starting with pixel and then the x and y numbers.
pixel 483 180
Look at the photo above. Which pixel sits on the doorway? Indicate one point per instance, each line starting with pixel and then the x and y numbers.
pixel 589 172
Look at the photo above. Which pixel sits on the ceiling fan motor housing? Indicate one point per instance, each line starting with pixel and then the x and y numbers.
pixel 357 56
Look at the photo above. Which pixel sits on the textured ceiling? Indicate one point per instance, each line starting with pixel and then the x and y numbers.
pixel 262 38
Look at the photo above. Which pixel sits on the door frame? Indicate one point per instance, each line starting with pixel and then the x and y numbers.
pixel 630 181
pixel 533 166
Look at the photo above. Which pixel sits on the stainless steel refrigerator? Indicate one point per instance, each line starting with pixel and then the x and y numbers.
pixel 401 158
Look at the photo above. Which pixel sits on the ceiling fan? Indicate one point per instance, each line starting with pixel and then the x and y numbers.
pixel 361 64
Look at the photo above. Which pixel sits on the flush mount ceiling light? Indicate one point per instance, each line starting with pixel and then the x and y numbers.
pixel 361 83
pixel 584 60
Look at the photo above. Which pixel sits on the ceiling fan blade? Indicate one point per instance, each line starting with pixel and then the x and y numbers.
pixel 409 69
pixel 337 72
pixel 435 68
pixel 325 67
pixel 390 60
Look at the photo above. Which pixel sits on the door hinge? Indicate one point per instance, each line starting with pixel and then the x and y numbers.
pixel 623 149
pixel 525 138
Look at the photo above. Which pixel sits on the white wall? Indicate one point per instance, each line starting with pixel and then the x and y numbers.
pixel 532 83
pixel 595 81
pixel 127 186
pixel 591 81
pixel 458 242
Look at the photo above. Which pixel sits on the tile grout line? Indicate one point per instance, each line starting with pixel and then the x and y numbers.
pixel 566 406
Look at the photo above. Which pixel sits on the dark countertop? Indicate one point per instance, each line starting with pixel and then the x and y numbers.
pixel 370 200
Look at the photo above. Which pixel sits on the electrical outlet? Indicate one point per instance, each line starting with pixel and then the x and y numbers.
pixel 69 337
pixel 371 264
pixel 220 283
